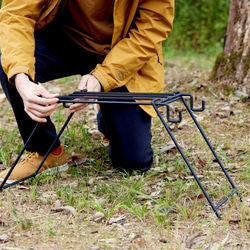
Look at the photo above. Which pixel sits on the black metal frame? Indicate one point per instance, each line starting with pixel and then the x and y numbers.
pixel 157 100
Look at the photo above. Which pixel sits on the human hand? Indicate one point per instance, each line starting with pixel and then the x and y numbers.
pixel 91 84
pixel 38 102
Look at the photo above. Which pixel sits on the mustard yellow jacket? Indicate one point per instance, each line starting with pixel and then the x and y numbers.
pixel 135 59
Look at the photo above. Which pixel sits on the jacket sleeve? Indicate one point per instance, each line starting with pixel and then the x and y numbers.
pixel 17 24
pixel 152 24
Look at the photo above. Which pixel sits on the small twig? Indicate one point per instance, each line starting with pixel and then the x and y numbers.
pixel 189 242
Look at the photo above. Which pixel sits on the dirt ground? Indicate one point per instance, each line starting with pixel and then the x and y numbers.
pixel 44 214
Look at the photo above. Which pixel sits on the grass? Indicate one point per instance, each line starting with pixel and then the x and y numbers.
pixel 94 207
pixel 191 59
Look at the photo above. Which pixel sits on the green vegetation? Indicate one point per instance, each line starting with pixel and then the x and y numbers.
pixel 199 25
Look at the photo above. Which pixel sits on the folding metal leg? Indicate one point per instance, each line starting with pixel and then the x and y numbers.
pixel 3 186
pixel 158 103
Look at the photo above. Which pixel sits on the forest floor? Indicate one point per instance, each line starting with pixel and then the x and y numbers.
pixel 92 206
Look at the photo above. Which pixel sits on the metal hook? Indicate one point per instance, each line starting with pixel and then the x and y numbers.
pixel 171 120
pixel 192 105
pixel 65 105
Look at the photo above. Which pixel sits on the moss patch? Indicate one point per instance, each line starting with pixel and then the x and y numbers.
pixel 225 66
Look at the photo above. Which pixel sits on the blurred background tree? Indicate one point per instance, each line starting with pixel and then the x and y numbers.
pixel 232 66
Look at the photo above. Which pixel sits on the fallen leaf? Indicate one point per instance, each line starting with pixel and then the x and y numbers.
pixel 241 94
pixel 199 118
pixel 155 194
pixel 115 220
pixel 193 82
pixel 201 197
pixel 95 248
pixel 78 160
pixel 96 135
pixel 5 237
pixel 134 236
pixel 170 145
pixel 215 246
pixel 108 240
pixel 91 131
pixel 97 216
pixel 201 162
pixel 140 244
pixel 46 195
pixel 71 184
pixel 28 234
pixel 67 209
pixel 83 234
pixel 183 123
pixel 57 204
pixel 173 126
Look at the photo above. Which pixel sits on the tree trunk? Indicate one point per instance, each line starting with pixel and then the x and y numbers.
pixel 232 66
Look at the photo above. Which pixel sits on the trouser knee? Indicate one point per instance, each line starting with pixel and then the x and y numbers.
pixel 133 160
pixel 128 128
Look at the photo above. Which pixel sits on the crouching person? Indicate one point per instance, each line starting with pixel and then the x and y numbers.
pixel 114 45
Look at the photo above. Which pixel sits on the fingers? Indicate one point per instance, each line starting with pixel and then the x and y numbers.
pixel 40 107
pixel 38 112
pixel 77 106
pixel 83 82
pixel 38 102
pixel 90 83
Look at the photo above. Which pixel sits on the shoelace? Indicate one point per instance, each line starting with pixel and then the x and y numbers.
pixel 29 156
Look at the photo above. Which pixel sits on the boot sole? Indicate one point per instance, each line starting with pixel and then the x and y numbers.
pixel 49 171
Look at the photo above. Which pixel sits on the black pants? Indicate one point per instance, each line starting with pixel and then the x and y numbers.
pixel 126 126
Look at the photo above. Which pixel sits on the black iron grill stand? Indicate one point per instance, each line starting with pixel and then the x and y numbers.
pixel 157 100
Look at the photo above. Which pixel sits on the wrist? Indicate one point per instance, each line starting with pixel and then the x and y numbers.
pixel 20 77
